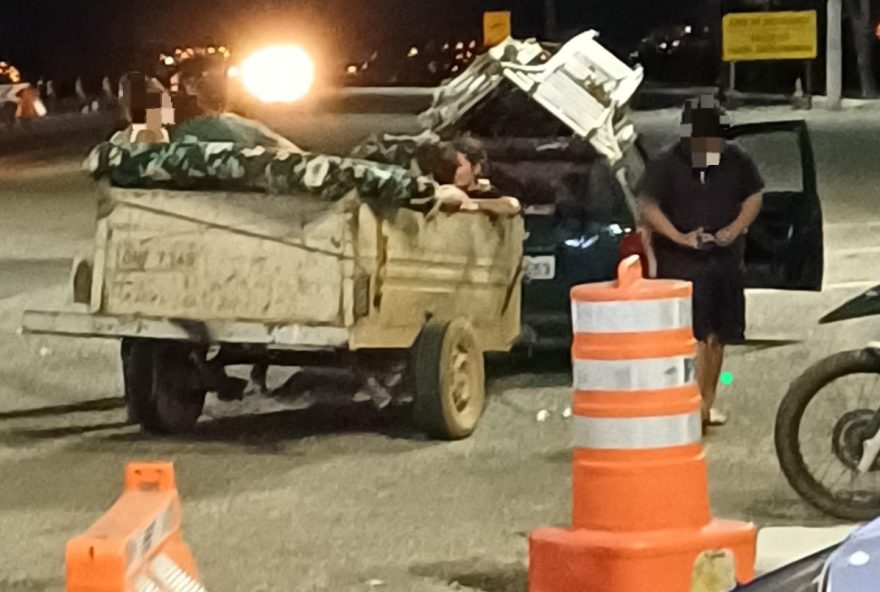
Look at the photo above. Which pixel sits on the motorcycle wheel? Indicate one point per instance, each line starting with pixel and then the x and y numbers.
pixel 850 430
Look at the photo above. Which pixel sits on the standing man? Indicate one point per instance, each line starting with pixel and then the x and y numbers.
pixel 699 198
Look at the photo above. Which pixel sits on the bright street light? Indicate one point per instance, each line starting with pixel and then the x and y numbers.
pixel 279 74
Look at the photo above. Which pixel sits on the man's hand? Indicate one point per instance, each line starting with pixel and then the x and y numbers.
pixel 695 239
pixel 727 235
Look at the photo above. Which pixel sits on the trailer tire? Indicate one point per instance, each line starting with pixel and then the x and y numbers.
pixel 449 379
pixel 162 387
pixel 137 376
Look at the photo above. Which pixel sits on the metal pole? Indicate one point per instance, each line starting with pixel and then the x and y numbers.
pixel 833 56
pixel 808 83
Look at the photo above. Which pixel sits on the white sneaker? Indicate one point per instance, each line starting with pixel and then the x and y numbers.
pixel 716 418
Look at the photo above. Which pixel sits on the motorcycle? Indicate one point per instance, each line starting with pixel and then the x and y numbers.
pixel 850 425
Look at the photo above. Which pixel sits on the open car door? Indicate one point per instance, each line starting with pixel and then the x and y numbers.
pixel 784 246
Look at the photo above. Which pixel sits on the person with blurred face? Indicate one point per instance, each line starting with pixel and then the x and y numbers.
pixel 699 198
pixel 147 109
pixel 213 122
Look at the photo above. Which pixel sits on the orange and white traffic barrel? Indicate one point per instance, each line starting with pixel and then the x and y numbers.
pixel 137 545
pixel 640 502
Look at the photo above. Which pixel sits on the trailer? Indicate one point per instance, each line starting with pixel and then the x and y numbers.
pixel 194 281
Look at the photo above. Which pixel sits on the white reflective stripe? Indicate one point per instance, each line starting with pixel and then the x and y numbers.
pixel 144 584
pixel 631 316
pixel 171 577
pixel 643 374
pixel 629 433
pixel 144 541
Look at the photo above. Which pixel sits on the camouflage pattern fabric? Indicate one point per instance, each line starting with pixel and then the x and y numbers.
pixel 230 128
pixel 189 164
pixel 396 150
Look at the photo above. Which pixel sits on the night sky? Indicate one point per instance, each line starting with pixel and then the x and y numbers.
pixel 56 38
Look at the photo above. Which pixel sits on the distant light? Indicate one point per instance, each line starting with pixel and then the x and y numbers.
pixel 445 47
pixel 365 65
pixel 177 51
pixel 233 72
pixel 455 68
pixel 222 49
pixel 676 43
pixel 472 45
pixel 459 45
pixel 688 29
pixel 459 56
pixel 280 74
pixel 352 70
pixel 168 61
pixel 211 50
pixel 469 55
pixel 663 45
pixel 413 52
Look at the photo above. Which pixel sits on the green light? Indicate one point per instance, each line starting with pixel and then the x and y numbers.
pixel 726 377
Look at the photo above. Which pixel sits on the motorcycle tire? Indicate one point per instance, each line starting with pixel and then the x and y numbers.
pixel 787 429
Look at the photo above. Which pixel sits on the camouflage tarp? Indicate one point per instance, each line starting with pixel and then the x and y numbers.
pixel 230 128
pixel 392 149
pixel 192 165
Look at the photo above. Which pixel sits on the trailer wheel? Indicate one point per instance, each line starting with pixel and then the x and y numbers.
pixel 137 376
pixel 448 372
pixel 163 390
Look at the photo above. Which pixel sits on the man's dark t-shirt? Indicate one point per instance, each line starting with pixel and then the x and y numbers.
pixel 692 198
pixel 712 199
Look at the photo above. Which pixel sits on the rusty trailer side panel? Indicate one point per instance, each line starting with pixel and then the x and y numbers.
pixel 459 264
pixel 301 267
pixel 206 256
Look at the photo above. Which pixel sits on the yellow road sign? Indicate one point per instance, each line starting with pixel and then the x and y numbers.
pixel 496 27
pixel 749 36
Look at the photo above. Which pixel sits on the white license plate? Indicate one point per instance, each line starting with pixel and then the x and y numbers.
pixel 539 268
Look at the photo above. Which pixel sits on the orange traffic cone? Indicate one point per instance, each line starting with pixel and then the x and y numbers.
pixel 138 543
pixel 640 514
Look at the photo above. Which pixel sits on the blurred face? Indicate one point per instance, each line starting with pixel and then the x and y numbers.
pixel 701 130
pixel 706 152
pixel 145 102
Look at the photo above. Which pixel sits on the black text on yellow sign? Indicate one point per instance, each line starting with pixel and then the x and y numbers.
pixel 496 27
pixel 750 36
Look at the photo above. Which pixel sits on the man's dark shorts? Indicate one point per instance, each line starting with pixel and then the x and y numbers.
pixel 719 306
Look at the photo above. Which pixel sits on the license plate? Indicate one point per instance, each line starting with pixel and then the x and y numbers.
pixel 539 268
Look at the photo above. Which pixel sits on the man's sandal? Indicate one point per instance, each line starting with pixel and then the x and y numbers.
pixel 717 418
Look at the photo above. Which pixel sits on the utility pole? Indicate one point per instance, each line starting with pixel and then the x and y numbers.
pixel 833 56
pixel 715 24
pixel 551 24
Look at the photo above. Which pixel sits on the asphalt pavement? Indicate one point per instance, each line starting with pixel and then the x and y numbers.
pixel 339 496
